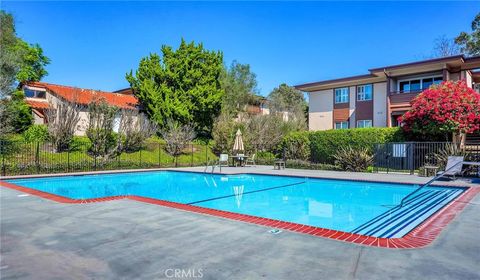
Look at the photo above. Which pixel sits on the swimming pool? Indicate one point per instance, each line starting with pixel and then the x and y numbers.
pixel 363 208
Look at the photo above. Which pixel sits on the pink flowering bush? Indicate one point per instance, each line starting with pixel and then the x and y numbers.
pixel 451 108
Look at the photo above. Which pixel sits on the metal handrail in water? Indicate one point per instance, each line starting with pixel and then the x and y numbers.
pixel 429 182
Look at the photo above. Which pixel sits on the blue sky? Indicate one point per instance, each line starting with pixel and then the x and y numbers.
pixel 93 44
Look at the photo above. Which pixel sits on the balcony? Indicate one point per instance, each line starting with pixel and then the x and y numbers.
pixel 401 100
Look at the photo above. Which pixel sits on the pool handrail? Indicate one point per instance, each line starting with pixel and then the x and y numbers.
pixel 438 176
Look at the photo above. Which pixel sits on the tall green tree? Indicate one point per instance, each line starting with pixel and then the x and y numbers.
pixel 470 43
pixel 182 85
pixel 19 60
pixel 240 86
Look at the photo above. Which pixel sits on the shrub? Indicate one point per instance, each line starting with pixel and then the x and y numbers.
pixel 134 129
pixel 36 133
pixel 62 121
pixel 177 137
pixel 353 159
pixel 101 120
pixel 16 113
pixel 103 142
pixel 223 133
pixel 301 164
pixel 325 144
pixel 296 145
pixel 80 143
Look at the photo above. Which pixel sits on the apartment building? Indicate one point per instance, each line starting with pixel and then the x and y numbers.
pixel 378 98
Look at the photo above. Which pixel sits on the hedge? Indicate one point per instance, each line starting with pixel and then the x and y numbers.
pixel 324 144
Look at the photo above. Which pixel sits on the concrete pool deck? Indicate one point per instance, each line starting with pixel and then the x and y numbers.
pixel 125 239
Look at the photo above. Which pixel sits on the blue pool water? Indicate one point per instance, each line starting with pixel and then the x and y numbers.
pixel 362 207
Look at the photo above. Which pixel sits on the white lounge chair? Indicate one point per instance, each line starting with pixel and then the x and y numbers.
pixel 223 159
pixel 454 167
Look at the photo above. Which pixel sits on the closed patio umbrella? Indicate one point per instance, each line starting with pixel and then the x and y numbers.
pixel 238 145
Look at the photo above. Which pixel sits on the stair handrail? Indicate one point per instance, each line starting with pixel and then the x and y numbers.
pixel 212 164
pixel 438 176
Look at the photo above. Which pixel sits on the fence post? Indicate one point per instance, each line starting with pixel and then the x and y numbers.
pixel 191 162
pixel 411 158
pixel 206 153
pixel 2 147
pixel 95 162
pixel 159 155
pixel 68 159
pixel 140 164
pixel 37 148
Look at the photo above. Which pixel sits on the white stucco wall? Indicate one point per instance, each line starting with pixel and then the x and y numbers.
pixel 320 114
pixel 380 104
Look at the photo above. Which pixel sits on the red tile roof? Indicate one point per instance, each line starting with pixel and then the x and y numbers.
pixel 86 96
pixel 37 104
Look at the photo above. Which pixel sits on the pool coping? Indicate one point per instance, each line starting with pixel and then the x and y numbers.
pixel 112 172
pixel 422 235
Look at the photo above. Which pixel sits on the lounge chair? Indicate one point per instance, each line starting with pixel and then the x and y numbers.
pixel 223 159
pixel 251 160
pixel 453 168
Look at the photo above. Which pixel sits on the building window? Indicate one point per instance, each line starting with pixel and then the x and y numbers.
pixel 341 125
pixel 341 95
pixel 34 93
pixel 364 93
pixel 418 84
pixel 364 123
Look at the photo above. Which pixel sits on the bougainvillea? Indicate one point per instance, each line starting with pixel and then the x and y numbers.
pixel 448 108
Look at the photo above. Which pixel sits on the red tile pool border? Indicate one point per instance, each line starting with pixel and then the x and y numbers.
pixel 421 236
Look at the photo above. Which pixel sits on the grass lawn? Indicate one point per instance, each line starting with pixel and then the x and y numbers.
pixel 31 158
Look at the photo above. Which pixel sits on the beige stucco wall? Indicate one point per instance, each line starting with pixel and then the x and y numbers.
pixel 37 119
pixel 353 96
pixel 320 114
pixel 380 104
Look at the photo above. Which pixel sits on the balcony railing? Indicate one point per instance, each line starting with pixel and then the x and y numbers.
pixel 407 91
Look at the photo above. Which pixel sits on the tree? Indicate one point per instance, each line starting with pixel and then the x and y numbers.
pixel 177 136
pixel 62 119
pixel 19 61
pixel 182 85
pixel 449 108
pixel 101 119
pixel 263 133
pixel 240 87
pixel 134 129
pixel 6 127
pixel 445 47
pixel 470 43
pixel 285 98
pixel 223 132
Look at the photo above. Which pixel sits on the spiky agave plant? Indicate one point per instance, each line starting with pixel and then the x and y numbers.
pixel 450 149
pixel 353 159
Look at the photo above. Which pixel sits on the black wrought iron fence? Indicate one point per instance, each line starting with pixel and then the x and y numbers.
pixel 410 157
pixel 22 158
